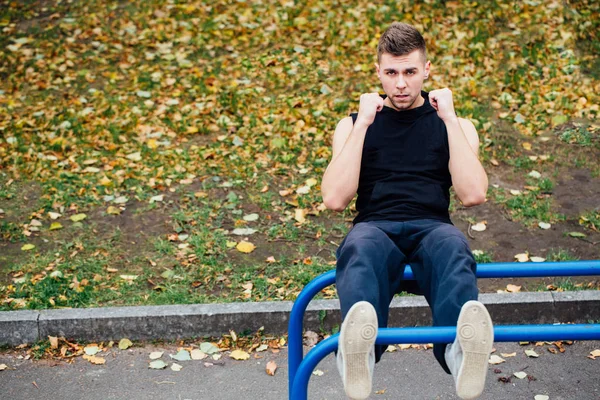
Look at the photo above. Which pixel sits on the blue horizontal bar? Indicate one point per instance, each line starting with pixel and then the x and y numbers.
pixel 503 333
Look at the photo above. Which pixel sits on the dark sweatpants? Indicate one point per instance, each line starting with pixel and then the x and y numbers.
pixel 371 262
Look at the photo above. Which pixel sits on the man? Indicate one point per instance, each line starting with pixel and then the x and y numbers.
pixel 401 153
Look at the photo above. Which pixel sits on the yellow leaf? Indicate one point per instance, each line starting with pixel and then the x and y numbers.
pixel 78 217
pixel 245 247
pixel 300 215
pixel 311 182
pixel 526 145
pixel 192 129
pixel 125 343
pixel 239 355
pixel 508 354
pixel 94 359
pixel 271 368
pixel 55 225
pixel 513 288
pixel 28 247
pixel 494 360
pixel 112 210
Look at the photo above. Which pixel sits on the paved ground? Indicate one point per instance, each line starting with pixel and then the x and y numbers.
pixel 406 374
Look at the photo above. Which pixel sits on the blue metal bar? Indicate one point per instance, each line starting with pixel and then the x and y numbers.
pixel 490 270
pixel 296 320
pixel 504 333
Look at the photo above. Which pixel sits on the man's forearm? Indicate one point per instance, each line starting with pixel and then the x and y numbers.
pixel 468 176
pixel 340 180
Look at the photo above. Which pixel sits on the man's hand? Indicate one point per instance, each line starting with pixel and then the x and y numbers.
pixel 441 100
pixel 370 105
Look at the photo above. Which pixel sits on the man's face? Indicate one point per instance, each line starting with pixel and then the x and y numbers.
pixel 402 78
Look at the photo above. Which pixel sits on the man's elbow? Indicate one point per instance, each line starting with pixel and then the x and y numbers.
pixel 333 203
pixel 473 199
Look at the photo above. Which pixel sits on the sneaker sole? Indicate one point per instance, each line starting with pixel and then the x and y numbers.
pixel 475 334
pixel 359 331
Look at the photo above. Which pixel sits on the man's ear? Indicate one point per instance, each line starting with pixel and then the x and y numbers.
pixel 427 69
pixel 377 69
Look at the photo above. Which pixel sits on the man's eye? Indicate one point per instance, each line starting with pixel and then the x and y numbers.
pixel 391 73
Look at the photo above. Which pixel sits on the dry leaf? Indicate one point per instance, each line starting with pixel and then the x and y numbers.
pixel 94 359
pixel 494 360
pixel 300 215
pixel 239 355
pixel 522 257
pixel 537 259
pixel 53 342
pixel 3 367
pixel 176 367
pixel 544 225
pixel 317 372
pixel 531 353
pixel 271 368
pixel 520 375
pixel 125 343
pixel 508 354
pixel 198 354
pixel 479 227
pixel 541 397
pixel 245 247
pixel 594 354
pixel 513 288
pixel 155 355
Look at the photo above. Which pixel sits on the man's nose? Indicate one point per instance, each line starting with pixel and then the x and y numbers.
pixel 400 82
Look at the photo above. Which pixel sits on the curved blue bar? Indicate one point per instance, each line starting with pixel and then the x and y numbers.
pixel 296 320
pixel 503 333
pixel 491 270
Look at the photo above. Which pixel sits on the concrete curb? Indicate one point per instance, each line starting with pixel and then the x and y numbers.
pixel 199 320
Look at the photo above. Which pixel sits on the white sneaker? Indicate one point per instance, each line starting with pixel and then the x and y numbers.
pixel 356 350
pixel 468 356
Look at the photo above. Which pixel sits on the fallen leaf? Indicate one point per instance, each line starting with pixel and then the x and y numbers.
pixel 494 360
pixel 537 259
pixel 531 353
pixel 271 368
pixel 54 215
pixel 526 145
pixel 239 355
pixel 544 225
pixel 176 367
pixel 27 247
pixel 3 367
pixel 245 247
pixel 112 210
pixel 508 354
pixel 515 192
pixel 250 217
pixel 125 343
pixel 208 348
pixel 91 350
pixel 541 397
pixel 522 257
pixel 182 355
pixel 317 372
pixel 391 349
pixel 55 225
pixel 53 342
pixel 198 354
pixel 382 391
pixel 535 174
pixel 158 364
pixel 594 354
pixel 157 198
pixel 155 355
pixel 94 359
pixel 78 217
pixel 479 227
pixel 243 231
pixel 271 259
pixel 520 375
pixel 300 215
pixel 577 234
pixel 513 288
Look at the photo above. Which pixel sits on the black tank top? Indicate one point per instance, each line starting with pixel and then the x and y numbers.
pixel 404 169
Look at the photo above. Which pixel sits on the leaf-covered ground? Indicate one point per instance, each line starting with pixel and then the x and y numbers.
pixel 159 152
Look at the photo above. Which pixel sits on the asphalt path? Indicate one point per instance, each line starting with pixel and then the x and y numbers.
pixel 404 374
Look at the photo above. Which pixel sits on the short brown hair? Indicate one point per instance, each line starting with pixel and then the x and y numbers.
pixel 400 39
